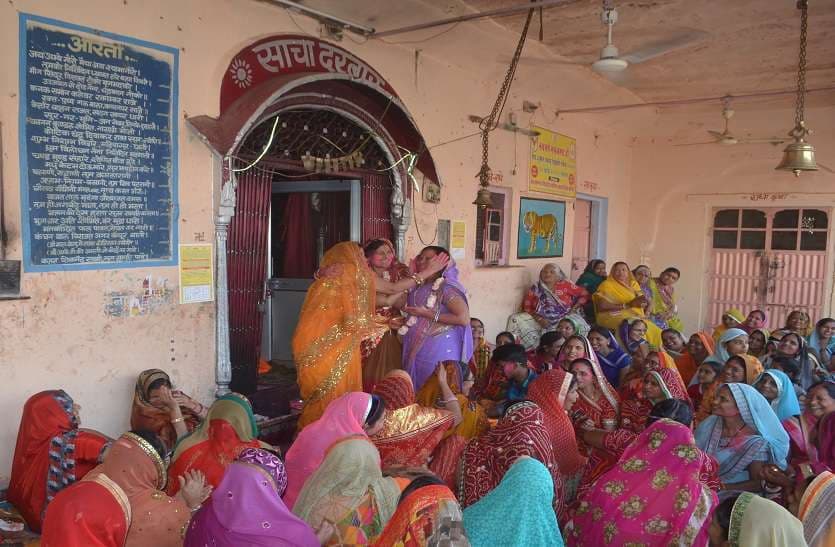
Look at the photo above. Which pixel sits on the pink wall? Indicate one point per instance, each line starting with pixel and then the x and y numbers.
pixel 62 338
pixel 674 189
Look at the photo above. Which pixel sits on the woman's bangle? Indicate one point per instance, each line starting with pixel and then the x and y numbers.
pixel 437 315
pixel 178 420
pixel 447 401
pixel 417 279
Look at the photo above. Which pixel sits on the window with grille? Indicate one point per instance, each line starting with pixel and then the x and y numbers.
pixel 785 230
pixel 491 227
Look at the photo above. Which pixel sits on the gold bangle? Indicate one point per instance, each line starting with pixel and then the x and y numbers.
pixel 417 279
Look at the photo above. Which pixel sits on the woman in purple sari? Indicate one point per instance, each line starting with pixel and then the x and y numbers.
pixel 438 328
pixel 246 508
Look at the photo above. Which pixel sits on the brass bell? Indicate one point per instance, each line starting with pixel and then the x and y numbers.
pixel 483 200
pixel 798 156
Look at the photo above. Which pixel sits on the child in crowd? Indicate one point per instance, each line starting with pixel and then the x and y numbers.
pixel 706 375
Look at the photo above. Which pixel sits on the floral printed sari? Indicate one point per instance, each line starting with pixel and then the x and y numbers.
pixel 654 496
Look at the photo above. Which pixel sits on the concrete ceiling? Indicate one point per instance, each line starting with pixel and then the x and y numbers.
pixel 744 46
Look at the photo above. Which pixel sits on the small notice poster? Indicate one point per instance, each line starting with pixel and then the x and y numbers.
pixel 553 168
pixel 458 239
pixel 196 273
pixel 98 148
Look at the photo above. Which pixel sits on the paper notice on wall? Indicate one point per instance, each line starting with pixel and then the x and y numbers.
pixel 196 273
pixel 458 239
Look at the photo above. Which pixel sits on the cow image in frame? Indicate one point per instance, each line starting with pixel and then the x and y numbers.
pixel 541 228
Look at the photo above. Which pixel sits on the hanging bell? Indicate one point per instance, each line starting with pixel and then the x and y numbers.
pixel 483 200
pixel 798 155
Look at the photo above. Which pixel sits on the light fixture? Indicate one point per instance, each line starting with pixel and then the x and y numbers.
pixel 799 155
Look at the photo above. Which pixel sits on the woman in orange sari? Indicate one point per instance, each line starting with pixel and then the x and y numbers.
pixel 229 428
pixel 337 315
pixel 699 347
pixel 410 432
pixel 427 514
pixel 51 453
pixel 121 502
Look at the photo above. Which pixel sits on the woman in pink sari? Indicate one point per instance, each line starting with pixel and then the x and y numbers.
pixel 352 414
pixel 654 496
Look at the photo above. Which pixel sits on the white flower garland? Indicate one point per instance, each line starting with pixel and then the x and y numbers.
pixel 430 304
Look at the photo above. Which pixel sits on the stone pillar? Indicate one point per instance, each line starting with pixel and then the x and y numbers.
pixel 226 210
pixel 401 216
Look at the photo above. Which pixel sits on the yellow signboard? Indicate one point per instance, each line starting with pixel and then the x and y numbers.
pixel 458 239
pixel 553 168
pixel 196 273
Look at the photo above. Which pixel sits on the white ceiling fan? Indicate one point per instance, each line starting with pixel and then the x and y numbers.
pixel 611 61
pixel 726 138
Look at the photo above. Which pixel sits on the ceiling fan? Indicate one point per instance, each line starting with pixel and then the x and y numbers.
pixel 726 138
pixel 611 61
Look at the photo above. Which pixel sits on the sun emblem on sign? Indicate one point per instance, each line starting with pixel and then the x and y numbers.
pixel 241 73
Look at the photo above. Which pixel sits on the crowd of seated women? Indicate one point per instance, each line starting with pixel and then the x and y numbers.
pixel 593 420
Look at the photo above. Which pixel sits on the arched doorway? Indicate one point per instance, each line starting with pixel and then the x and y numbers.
pixel 309 112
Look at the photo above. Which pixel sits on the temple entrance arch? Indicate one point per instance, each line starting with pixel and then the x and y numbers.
pixel 293 76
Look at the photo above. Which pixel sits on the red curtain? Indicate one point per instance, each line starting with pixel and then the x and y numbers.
pixel 299 237
pixel 246 255
pixel 376 206
pixel 335 217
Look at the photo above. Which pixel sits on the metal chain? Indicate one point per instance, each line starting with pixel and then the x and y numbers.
pixel 490 123
pixel 801 68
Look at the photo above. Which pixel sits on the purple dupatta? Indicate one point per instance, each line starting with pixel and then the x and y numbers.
pixel 246 510
pixel 427 343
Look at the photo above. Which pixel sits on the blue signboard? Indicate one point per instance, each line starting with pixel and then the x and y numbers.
pixel 98 148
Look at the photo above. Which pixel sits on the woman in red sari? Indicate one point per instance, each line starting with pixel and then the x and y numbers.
pixel 410 432
pixel 659 384
pixel 229 427
pixel 121 501
pixel 51 453
pixel 555 391
pixel 597 407
pixel 383 352
pixel 486 459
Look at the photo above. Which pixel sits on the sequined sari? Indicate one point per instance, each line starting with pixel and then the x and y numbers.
pixel 410 432
pixel 337 315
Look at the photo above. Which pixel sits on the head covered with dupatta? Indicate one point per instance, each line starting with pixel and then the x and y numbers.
pixel 486 459
pixel 652 496
pixel 349 473
pixel 504 517
pixel 337 314
pixel 246 508
pixel 229 427
pixel 548 391
pixel 343 418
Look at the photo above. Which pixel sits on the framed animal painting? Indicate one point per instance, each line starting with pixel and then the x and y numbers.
pixel 541 228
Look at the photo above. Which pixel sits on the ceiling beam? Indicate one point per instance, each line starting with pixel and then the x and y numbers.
pixel 500 12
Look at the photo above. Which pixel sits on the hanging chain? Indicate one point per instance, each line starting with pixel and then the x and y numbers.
pixel 801 68
pixel 490 123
